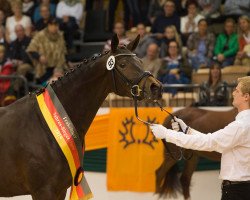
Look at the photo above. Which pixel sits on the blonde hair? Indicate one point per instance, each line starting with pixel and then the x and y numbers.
pixel 176 34
pixel 245 84
pixel 243 17
pixel 17 3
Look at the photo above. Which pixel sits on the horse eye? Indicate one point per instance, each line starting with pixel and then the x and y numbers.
pixel 122 65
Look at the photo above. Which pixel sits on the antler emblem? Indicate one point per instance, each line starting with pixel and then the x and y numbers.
pixel 129 137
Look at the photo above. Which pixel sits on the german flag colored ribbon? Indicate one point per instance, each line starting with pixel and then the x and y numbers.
pixel 67 138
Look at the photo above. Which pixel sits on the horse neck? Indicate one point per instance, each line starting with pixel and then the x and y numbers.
pixel 82 92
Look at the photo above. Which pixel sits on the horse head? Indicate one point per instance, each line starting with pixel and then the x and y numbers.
pixel 129 78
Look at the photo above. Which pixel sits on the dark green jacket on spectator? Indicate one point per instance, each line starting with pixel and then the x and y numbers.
pixel 228 46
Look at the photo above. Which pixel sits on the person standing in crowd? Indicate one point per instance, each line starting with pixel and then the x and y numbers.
pixel 200 46
pixel 214 91
pixel 48 51
pixel 227 45
pixel 210 9
pixel 17 18
pixel 152 62
pixel 233 142
pixel 145 40
pixel 243 55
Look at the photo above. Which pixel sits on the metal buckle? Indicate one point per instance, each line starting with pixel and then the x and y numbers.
pixel 135 90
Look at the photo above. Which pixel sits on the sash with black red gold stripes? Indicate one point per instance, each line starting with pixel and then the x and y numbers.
pixel 67 138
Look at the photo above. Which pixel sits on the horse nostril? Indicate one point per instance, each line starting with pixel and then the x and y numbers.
pixel 156 91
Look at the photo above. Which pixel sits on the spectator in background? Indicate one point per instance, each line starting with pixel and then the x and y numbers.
pixel 210 9
pixel 70 13
pixel 45 16
pixel 214 91
pixel 155 9
pixel 120 31
pixel 2 36
pixel 17 51
pixel 145 40
pixel 169 18
pixel 200 46
pixel 235 9
pixel 6 7
pixel 52 9
pixel 175 68
pixel 227 46
pixel 6 68
pixel 170 34
pixel 152 62
pixel 2 18
pixel 189 23
pixel 17 18
pixel 243 55
pixel 28 8
pixel 181 7
pixel 47 50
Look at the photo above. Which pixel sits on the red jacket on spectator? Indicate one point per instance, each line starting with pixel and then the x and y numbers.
pixel 6 68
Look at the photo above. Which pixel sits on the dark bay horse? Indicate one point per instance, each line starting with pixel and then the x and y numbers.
pixel 167 181
pixel 31 161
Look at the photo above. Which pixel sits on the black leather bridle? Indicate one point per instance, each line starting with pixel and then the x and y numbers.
pixel 136 93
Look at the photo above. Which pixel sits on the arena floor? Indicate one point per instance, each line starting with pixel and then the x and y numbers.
pixel 205 186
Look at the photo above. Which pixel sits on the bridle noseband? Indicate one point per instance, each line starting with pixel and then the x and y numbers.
pixel 136 93
pixel 134 85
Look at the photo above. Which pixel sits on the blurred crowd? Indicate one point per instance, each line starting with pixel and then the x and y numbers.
pixel 36 36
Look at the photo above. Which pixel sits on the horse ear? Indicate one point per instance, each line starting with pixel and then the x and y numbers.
pixel 114 43
pixel 133 44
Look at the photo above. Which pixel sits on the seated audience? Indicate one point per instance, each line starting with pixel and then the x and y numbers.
pixel 17 18
pixel 152 62
pixel 237 8
pixel 226 45
pixel 243 55
pixel 189 23
pixel 17 52
pixel 155 9
pixel 145 40
pixel 6 7
pixel 210 9
pixel 28 8
pixel 2 18
pixel 47 50
pixel 52 9
pixel 45 16
pixel 169 35
pixel 170 17
pixel 175 68
pixel 120 31
pixel 200 46
pixel 2 36
pixel 214 91
pixel 70 13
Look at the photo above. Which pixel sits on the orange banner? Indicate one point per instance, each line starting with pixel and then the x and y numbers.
pixel 97 135
pixel 133 152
